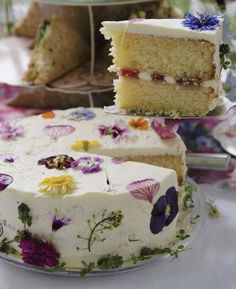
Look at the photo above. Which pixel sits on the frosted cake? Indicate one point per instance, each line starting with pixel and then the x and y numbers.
pixel 167 66
pixel 70 210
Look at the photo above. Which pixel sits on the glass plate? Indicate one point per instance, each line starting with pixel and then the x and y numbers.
pixel 92 2
pixel 185 219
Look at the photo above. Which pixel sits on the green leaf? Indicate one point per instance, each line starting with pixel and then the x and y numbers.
pixel 87 268
pixel 110 262
pixel 24 214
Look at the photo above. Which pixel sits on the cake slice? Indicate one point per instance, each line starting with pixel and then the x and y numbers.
pixel 58 49
pixel 167 66
pixel 120 137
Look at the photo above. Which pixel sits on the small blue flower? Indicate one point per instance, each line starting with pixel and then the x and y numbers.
pixel 81 114
pixel 203 22
pixel 164 211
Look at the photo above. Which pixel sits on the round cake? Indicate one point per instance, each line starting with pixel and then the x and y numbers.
pixel 66 209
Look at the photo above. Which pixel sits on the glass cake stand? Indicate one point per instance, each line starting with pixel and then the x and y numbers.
pixel 197 213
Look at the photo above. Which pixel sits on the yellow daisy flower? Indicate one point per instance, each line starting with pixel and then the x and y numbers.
pixel 57 185
pixel 85 145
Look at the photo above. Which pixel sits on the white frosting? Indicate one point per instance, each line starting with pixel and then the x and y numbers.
pixel 139 142
pixel 145 76
pixel 90 197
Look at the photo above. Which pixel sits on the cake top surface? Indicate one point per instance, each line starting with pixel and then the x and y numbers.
pixel 44 176
pixel 163 28
pixel 88 130
pixel 49 153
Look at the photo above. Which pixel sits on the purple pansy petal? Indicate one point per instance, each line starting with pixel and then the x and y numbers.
pixel 9 131
pixel 56 131
pixel 172 200
pixel 5 181
pixel 164 131
pixel 58 223
pixel 81 114
pixel 158 216
pixel 7 158
pixel 164 211
pixel 202 22
pixel 59 162
pixel 88 165
pixel 157 223
pixel 144 189
pixel 38 253
pixel 117 131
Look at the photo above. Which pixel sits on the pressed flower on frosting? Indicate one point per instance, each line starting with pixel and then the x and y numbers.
pixel 164 131
pixel 85 145
pixel 81 114
pixel 144 190
pixel 164 211
pixel 5 181
pixel 139 123
pixel 37 252
pixel 9 131
pixel 58 223
pixel 48 114
pixel 59 162
pixel 88 165
pixel 117 131
pixel 57 185
pixel 7 158
pixel 201 22
pixel 56 131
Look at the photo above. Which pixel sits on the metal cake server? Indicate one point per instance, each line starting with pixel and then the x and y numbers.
pixel 218 111
pixel 202 161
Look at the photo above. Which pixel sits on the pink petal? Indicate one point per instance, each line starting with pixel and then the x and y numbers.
pixel 56 131
pixel 144 190
pixel 164 131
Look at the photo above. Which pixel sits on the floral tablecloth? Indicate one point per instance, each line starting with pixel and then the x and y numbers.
pixel 212 261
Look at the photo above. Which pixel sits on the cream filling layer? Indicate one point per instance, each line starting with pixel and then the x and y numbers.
pixel 213 83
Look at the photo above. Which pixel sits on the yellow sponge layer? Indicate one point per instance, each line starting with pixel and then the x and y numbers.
pixel 176 163
pixel 162 98
pixel 179 58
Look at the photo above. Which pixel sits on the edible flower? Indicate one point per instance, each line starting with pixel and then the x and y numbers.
pixel 7 158
pixel 59 162
pixel 5 181
pixel 164 211
pixel 164 131
pixel 9 131
pixel 117 131
pixel 56 131
pixel 88 165
pixel 85 145
pixel 139 123
pixel 48 114
pixel 58 223
pixel 57 185
pixel 202 22
pixel 81 114
pixel 144 190
pixel 37 252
